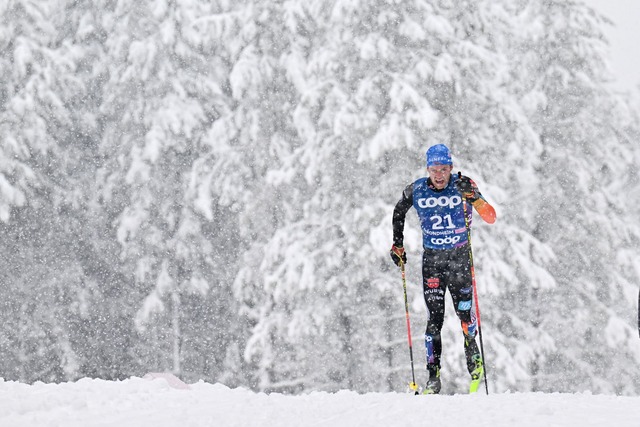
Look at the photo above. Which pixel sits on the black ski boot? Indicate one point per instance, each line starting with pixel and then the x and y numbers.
pixel 433 385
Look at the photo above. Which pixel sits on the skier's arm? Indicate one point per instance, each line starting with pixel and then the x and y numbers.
pixel 399 214
pixel 469 190
pixel 485 210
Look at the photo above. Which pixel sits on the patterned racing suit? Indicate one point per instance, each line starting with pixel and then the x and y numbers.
pixel 446 260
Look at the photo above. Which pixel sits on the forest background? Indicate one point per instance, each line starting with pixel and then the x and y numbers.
pixel 206 188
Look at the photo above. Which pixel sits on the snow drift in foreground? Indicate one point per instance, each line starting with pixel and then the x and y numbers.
pixel 160 402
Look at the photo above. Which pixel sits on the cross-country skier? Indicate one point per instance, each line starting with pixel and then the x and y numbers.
pixel 446 264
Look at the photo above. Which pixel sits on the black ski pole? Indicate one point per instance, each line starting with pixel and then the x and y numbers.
pixel 475 290
pixel 412 385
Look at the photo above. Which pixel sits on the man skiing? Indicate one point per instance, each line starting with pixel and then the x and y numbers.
pixel 439 200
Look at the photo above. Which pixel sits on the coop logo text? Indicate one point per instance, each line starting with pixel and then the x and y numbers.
pixel 442 201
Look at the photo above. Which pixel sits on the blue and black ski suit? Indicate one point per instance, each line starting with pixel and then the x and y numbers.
pixel 446 260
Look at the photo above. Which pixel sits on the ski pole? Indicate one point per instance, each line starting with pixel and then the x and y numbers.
pixel 412 385
pixel 475 290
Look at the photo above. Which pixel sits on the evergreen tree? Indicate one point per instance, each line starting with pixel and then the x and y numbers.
pixel 585 169
pixel 44 133
pixel 162 95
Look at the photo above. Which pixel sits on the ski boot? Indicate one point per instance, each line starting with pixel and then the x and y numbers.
pixel 433 384
pixel 476 373
pixel 475 363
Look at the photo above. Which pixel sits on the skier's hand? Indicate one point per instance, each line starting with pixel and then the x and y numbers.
pixel 398 255
pixel 467 188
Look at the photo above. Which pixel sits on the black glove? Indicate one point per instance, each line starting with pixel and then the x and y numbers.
pixel 397 255
pixel 467 188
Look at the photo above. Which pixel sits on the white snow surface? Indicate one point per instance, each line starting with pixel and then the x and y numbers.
pixel 160 402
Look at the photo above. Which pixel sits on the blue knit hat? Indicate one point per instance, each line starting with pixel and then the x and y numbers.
pixel 438 155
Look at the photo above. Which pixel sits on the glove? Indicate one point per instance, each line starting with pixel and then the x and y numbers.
pixel 397 255
pixel 467 188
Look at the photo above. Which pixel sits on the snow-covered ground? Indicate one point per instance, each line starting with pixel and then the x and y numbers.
pixel 156 402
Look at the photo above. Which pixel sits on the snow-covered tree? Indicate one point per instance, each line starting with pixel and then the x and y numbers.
pixel 162 94
pixel 45 132
pixel 582 180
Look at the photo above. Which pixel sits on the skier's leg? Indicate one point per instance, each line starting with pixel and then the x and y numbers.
pixel 461 290
pixel 432 337
pixel 434 289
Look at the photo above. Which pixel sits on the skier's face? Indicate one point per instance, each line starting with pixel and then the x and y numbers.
pixel 440 175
